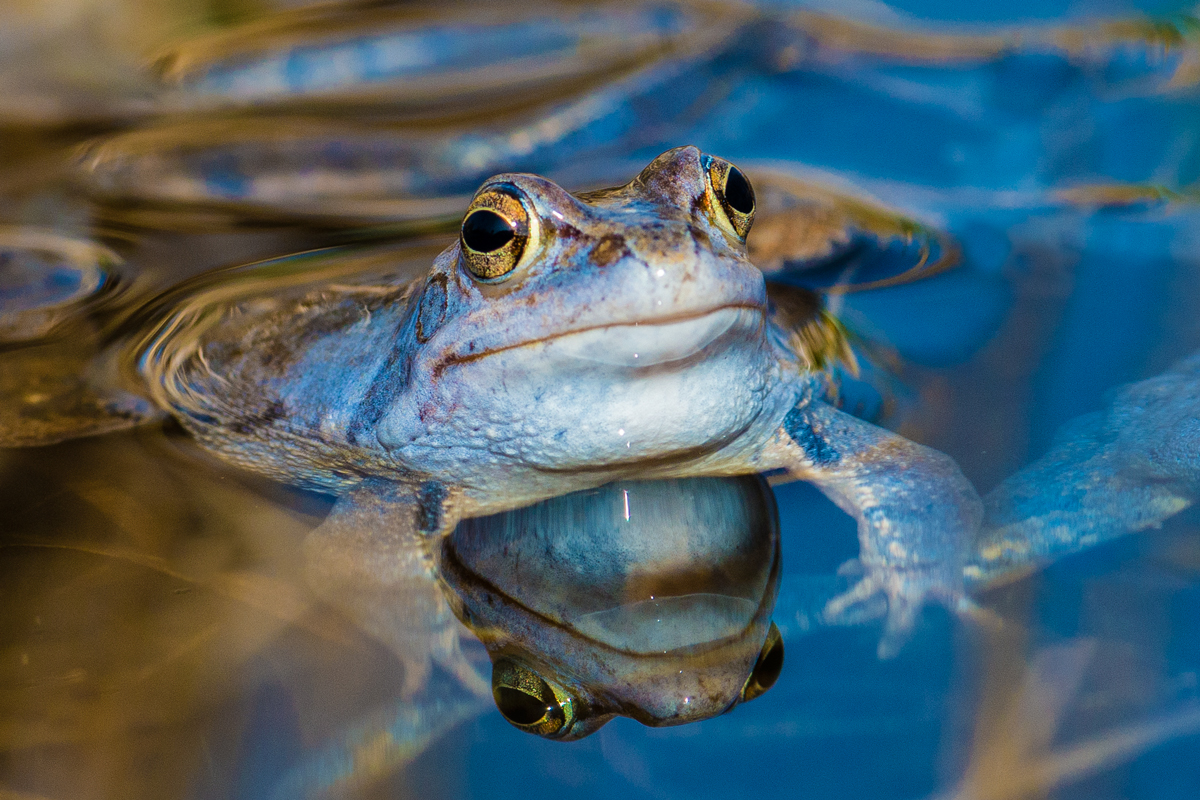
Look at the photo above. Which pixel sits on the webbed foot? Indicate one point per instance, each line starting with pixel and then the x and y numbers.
pixel 897 593
pixel 918 516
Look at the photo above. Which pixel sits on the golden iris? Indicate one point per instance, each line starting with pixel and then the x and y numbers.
pixel 495 233
pixel 767 667
pixel 734 193
pixel 530 702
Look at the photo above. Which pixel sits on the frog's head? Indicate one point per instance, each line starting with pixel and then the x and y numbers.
pixel 644 599
pixel 603 328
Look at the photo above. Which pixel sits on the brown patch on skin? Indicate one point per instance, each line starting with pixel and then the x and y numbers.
pixel 608 251
pixel 563 230
pixel 892 450
pixel 700 239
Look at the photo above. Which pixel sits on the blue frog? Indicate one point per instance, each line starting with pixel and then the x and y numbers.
pixel 562 342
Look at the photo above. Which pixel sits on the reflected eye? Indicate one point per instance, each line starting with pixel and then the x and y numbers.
pixel 767 668
pixel 732 188
pixel 495 233
pixel 530 702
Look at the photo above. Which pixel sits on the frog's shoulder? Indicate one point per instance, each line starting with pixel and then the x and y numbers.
pixel 274 382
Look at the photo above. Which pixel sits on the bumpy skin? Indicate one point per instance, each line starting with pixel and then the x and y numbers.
pixel 633 338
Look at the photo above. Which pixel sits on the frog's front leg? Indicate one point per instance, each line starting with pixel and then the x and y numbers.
pixel 917 514
pixel 372 559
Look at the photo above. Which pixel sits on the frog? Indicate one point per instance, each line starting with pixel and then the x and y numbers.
pixel 561 342
pixel 533 582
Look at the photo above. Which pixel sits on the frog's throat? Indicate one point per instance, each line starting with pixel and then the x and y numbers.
pixel 643 343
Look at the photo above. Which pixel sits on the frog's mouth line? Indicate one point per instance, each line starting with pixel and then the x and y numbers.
pixel 640 344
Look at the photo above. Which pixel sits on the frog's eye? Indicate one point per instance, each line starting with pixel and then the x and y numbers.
pixel 732 188
pixel 495 233
pixel 529 701
pixel 767 668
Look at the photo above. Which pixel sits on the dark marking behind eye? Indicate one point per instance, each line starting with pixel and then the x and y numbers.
pixel 432 311
pixel 738 192
pixel 486 231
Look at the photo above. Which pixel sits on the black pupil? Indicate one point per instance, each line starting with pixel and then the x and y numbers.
pixel 738 193
pixel 484 231
pixel 769 665
pixel 519 707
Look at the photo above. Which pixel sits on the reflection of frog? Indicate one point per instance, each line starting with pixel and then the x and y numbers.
pixel 644 599
pixel 1112 472
pixel 563 342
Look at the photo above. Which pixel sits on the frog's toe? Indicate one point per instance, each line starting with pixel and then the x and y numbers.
pixel 902 616
pixel 900 594
pixel 863 602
